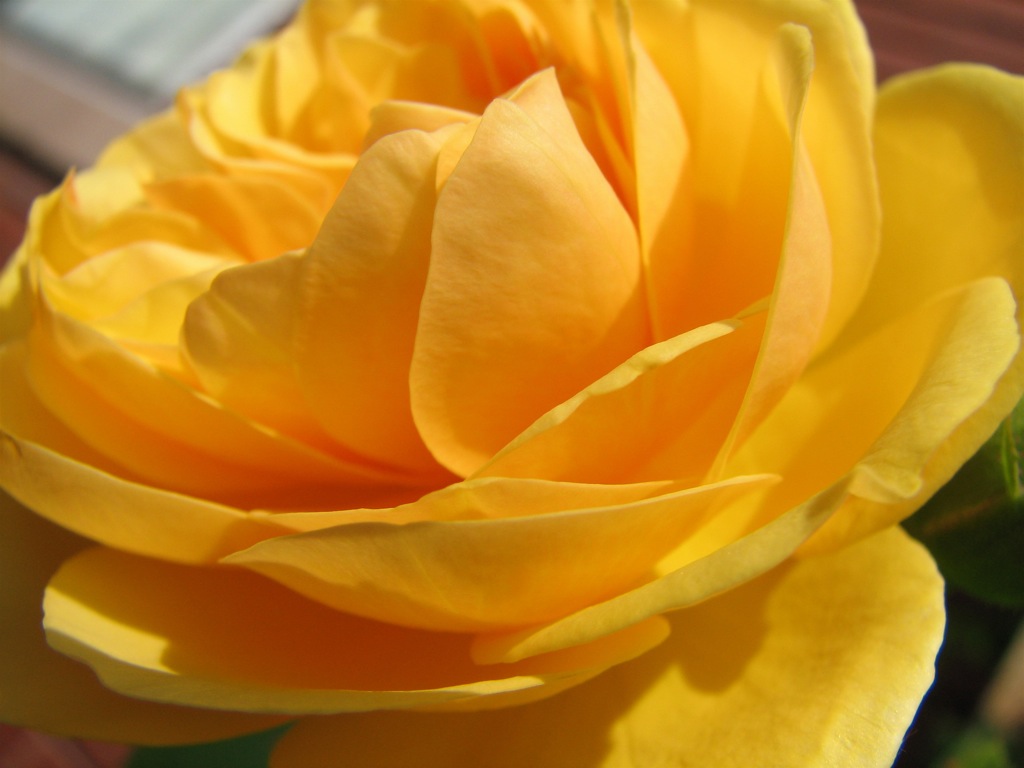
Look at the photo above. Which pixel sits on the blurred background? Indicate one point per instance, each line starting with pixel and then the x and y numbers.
pixel 76 73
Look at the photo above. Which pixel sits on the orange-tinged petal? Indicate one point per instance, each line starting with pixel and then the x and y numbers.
pixel 661 415
pixel 485 498
pixel 702 567
pixel 230 639
pixel 237 339
pixel 258 217
pixel 42 689
pixel 355 313
pixel 22 414
pixel 534 286
pixel 800 298
pixel 487 574
pixel 393 116
pixel 713 63
pixel 664 190
pixel 187 443
pixel 820 663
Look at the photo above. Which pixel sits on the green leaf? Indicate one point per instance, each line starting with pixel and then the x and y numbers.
pixel 974 526
pixel 252 751
pixel 978 748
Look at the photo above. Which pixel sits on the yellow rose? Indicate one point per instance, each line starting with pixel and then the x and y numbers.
pixel 443 356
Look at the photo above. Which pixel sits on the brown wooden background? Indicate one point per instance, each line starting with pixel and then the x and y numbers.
pixel 905 34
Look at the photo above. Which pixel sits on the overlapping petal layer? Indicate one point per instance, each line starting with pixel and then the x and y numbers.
pixel 230 639
pixel 487 574
pixel 43 688
pixel 783 670
pixel 594 332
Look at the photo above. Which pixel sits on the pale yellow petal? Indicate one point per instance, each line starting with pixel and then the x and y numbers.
pixel 970 383
pixel 821 663
pixel 949 222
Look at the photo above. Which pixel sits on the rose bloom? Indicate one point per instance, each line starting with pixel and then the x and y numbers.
pixel 442 357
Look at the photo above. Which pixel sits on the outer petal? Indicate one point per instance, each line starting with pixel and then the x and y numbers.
pixel 697 570
pixel 883 410
pixel 819 663
pixel 929 325
pixel 41 689
pixel 229 639
pixel 948 223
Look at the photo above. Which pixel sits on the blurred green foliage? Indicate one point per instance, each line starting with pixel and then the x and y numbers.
pixel 974 526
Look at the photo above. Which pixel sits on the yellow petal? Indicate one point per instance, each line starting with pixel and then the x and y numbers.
pixel 487 574
pixel 956 404
pixel 229 639
pixel 393 116
pixel 41 689
pixel 100 211
pixel 661 415
pixel 801 294
pixel 257 217
pixel 534 283
pixel 883 409
pixel 134 517
pixel 237 338
pixel 820 663
pixel 355 315
pixel 15 296
pixel 664 188
pixel 22 414
pixel 696 571
pixel 155 148
pixel 171 435
pixel 951 222
pixel 485 498
pixel 712 61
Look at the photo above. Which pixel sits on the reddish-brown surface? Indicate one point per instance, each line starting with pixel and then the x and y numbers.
pixel 905 34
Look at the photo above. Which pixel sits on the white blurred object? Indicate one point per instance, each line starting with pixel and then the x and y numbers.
pixel 76 73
